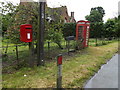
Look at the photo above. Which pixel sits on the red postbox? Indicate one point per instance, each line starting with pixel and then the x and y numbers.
pixel 26 33
pixel 82 33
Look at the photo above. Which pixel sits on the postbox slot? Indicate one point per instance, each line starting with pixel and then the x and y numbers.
pixel 28 28
pixel 29 31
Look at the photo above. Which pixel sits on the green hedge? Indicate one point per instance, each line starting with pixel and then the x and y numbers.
pixel 69 29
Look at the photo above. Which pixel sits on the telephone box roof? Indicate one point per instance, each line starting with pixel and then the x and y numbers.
pixel 83 21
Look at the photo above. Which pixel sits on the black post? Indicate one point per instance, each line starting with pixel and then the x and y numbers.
pixel 49 49
pixel 68 46
pixel 6 49
pixel 40 50
pixel 74 45
pixel 17 54
pixel 31 54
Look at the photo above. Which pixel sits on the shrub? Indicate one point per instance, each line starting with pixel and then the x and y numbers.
pixel 69 29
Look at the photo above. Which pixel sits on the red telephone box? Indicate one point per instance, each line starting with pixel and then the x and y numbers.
pixel 26 33
pixel 82 33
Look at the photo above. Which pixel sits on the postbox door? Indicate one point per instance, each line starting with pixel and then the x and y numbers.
pixel 28 30
pixel 26 33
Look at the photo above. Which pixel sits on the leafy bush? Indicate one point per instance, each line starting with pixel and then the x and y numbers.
pixel 54 33
pixel 69 29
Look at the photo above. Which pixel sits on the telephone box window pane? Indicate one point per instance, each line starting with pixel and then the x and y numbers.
pixel 88 27
pixel 80 30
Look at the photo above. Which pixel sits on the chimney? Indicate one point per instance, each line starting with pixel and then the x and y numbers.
pixel 72 14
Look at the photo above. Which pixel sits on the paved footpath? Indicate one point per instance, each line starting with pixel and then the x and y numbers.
pixel 107 76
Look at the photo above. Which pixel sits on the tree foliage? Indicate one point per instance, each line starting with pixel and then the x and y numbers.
pixel 117 20
pixel 98 30
pixel 96 19
pixel 53 30
pixel 7 15
pixel 96 15
pixel 69 29
pixel 28 14
pixel 110 28
pixel 100 10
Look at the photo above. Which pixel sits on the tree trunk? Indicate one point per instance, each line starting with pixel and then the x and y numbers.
pixel 96 42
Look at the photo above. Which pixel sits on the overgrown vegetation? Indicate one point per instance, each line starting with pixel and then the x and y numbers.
pixel 76 69
pixel 27 13
pixel 75 66
pixel 51 51
pixel 98 29
pixel 69 29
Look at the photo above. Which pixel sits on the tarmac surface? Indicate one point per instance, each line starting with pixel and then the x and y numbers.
pixel 107 76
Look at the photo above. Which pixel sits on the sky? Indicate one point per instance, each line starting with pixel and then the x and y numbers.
pixel 81 8
pixel 119 8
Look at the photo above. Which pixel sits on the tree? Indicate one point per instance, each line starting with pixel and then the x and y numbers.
pixel 100 10
pixel 94 16
pixel 54 32
pixel 28 14
pixel 7 14
pixel 25 14
pixel 0 25
pixel 110 28
pixel 96 19
pixel 117 20
pixel 69 29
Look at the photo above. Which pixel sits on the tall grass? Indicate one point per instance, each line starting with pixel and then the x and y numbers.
pixel 77 68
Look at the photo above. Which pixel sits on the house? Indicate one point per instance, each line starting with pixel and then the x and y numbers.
pixel 54 14
pixel 61 12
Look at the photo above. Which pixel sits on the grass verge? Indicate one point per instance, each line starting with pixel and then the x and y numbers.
pixel 77 68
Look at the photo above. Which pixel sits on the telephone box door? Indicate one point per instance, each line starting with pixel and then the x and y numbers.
pixel 87 30
pixel 82 33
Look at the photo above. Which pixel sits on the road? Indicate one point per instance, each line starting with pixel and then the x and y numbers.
pixel 107 76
